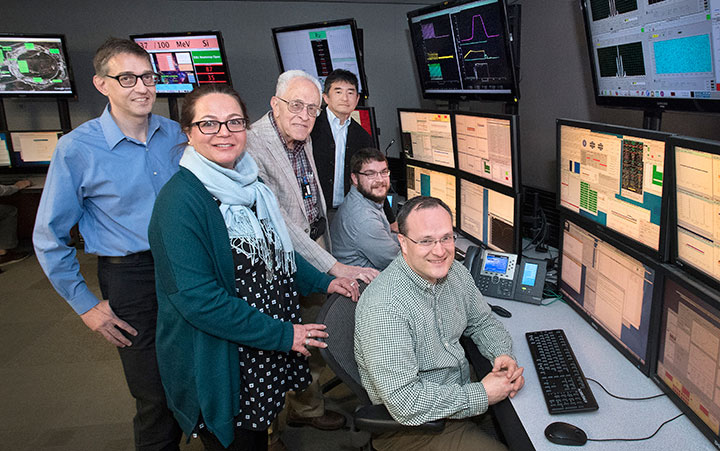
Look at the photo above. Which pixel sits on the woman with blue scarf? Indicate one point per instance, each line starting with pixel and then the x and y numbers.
pixel 229 339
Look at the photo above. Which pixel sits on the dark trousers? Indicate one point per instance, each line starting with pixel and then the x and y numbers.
pixel 244 440
pixel 129 285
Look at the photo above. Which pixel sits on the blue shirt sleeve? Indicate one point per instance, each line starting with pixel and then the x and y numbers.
pixel 60 209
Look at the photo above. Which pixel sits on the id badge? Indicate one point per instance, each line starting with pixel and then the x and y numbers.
pixel 305 188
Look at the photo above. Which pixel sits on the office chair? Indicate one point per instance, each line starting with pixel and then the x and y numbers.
pixel 338 314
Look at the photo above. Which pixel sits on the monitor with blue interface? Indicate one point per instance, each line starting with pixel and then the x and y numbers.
pixel 426 182
pixel 613 288
pixel 463 48
pixel 495 263
pixel 489 217
pixel 697 205
pixel 656 54
pixel 186 60
pixel 614 176
pixel 688 358
pixel 35 65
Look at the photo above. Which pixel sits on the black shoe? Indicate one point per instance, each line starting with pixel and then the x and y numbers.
pixel 13 257
pixel 330 421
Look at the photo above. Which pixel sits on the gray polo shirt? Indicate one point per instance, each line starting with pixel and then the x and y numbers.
pixel 361 234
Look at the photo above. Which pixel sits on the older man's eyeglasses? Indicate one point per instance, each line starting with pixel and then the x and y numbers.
pixel 429 243
pixel 130 80
pixel 296 106
pixel 375 174
pixel 213 127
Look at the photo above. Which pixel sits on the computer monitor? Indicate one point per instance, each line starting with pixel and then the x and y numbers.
pixel 654 54
pixel 487 146
pixel 321 47
pixel 688 358
pixel 612 287
pixel 695 223
pixel 427 182
pixel 463 49
pixel 488 216
pixel 5 161
pixel 614 176
pixel 185 60
pixel 31 150
pixel 365 116
pixel 35 65
pixel 427 136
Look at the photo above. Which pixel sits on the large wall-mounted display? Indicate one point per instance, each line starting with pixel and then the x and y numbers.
pixel 321 47
pixel 657 54
pixel 185 60
pixel 35 65
pixel 463 48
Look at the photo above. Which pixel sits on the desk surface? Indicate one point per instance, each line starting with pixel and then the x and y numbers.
pixel 600 361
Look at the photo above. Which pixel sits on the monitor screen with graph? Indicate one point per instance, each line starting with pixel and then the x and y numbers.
pixel 427 182
pixel 186 60
pixel 696 214
pixel 427 136
pixel 487 146
pixel 35 65
pixel 489 216
pixel 463 48
pixel 612 287
pixel 655 54
pixel 614 176
pixel 688 358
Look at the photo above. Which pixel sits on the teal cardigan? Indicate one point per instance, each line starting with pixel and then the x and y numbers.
pixel 200 321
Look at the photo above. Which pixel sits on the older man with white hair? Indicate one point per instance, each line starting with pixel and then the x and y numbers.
pixel 281 145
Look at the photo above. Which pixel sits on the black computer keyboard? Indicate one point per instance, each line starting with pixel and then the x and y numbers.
pixel 561 378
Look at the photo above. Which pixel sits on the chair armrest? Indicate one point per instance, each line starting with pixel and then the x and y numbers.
pixel 376 419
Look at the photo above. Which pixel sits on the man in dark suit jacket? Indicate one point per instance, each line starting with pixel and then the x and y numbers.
pixel 333 127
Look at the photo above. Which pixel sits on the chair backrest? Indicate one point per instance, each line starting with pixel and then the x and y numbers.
pixel 338 314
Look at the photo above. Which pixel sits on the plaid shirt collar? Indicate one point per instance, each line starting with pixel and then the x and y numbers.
pixel 297 147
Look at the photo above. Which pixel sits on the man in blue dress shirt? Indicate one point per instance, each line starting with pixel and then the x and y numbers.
pixel 105 176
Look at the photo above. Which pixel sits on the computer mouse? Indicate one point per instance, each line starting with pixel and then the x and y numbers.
pixel 499 311
pixel 565 434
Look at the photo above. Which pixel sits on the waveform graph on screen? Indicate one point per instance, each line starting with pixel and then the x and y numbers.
pixel 438 50
pixel 603 9
pixel 626 60
pixel 480 45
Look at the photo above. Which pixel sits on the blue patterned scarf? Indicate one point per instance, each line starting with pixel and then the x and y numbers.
pixel 238 190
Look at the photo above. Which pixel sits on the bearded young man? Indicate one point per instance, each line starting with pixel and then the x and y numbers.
pixel 360 231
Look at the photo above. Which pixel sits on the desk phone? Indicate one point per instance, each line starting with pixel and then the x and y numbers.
pixel 498 275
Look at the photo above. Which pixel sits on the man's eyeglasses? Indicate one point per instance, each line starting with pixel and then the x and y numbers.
pixel 374 174
pixel 296 106
pixel 429 243
pixel 213 127
pixel 130 80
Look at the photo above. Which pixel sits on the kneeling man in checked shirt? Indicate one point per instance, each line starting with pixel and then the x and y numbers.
pixel 408 325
